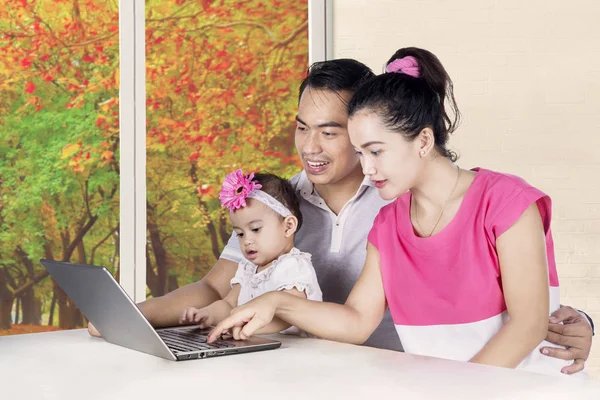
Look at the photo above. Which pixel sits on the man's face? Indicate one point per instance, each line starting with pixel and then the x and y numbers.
pixel 322 137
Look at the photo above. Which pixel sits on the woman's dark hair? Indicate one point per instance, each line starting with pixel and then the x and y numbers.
pixel 282 190
pixel 336 75
pixel 407 104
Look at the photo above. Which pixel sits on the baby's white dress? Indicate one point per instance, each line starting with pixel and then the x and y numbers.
pixel 293 270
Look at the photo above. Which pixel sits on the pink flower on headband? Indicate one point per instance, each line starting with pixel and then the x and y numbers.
pixel 236 188
pixel 407 65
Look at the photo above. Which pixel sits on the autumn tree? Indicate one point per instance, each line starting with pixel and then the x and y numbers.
pixel 58 137
pixel 222 81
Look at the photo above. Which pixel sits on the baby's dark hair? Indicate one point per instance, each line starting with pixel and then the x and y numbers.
pixel 283 191
pixel 407 104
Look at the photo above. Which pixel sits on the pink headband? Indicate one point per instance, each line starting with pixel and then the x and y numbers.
pixel 238 187
pixel 407 65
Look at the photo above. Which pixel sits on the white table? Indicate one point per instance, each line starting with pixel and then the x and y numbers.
pixel 72 365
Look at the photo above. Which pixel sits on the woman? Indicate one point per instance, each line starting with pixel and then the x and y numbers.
pixel 464 259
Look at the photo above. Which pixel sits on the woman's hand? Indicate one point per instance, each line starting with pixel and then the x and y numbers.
pixel 246 320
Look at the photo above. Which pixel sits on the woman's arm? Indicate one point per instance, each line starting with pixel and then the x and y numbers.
pixel 277 325
pixel 524 272
pixel 352 322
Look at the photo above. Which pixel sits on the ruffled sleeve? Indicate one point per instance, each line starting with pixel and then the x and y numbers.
pixel 238 278
pixel 295 271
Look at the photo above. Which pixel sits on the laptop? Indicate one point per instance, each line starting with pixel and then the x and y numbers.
pixel 104 302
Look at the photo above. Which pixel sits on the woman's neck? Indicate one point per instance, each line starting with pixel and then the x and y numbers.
pixel 435 184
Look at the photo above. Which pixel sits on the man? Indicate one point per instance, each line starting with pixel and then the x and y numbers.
pixel 338 206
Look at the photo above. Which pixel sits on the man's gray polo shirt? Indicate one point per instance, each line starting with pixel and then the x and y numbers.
pixel 338 245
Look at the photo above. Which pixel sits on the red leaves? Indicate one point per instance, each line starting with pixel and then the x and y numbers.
pixel 26 62
pixel 44 57
pixel 272 153
pixel 222 66
pixel 87 58
pixel 204 189
pixel 29 87
pixel 206 4
pixel 221 54
pixel 100 121
pixel 194 156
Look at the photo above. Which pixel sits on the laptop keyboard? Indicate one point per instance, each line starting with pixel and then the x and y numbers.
pixel 181 340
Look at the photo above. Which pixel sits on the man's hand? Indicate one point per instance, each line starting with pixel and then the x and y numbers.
pixel 574 333
pixel 92 330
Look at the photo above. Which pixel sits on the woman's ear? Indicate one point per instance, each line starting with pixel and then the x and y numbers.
pixel 291 225
pixel 426 141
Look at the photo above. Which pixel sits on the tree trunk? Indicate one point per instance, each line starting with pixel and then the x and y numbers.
pixel 77 316
pixel 160 253
pixel 214 241
pixel 285 143
pixel 117 255
pixel 17 311
pixel 52 306
pixel 151 279
pixel 6 301
pixel 173 284
pixel 68 315
pixel 30 308
pixel 225 233
pixel 212 231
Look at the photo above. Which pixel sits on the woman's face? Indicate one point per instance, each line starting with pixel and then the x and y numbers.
pixel 387 158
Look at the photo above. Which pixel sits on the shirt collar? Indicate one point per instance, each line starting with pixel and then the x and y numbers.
pixel 307 189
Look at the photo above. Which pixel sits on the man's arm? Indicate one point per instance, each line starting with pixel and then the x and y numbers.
pixel 587 317
pixel 166 310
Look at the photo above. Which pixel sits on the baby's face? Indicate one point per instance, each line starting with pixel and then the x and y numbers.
pixel 261 232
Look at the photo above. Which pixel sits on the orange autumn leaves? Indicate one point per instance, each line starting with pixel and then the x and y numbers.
pixel 222 77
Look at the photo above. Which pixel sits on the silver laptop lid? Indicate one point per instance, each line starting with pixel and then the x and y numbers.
pixel 102 300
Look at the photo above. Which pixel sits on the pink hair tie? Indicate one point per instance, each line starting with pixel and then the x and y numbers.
pixel 407 65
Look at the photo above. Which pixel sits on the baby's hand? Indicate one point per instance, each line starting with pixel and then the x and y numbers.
pixel 198 316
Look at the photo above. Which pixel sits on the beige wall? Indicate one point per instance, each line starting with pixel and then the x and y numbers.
pixel 527 80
